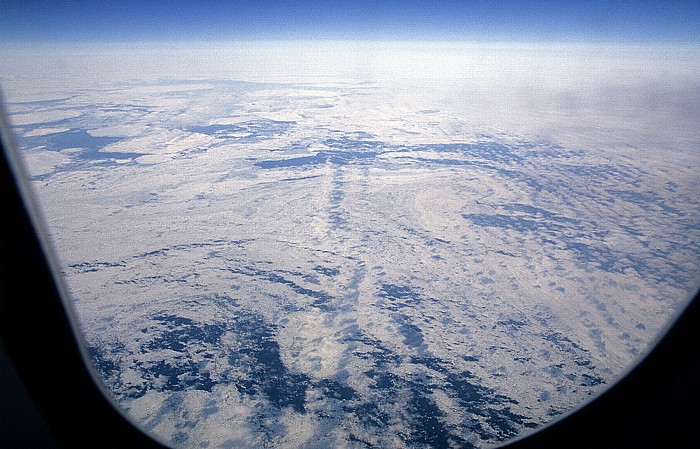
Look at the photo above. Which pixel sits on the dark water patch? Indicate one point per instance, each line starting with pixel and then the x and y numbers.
pixel 177 374
pixel 257 365
pixel 336 390
pixel 511 324
pixel 327 271
pixel 22 130
pixel 505 253
pixel 469 392
pixel 412 334
pixel 356 142
pixel 432 363
pixel 554 370
pixel 322 299
pixel 250 131
pixel 300 178
pixel 424 419
pixel 564 343
pixel 590 380
pixel 219 131
pixel 386 382
pixel 322 157
pixel 579 356
pixel 399 296
pixel 485 402
pixel 486 154
pixel 292 162
pixel 151 280
pixel 76 138
pixel 181 371
pixel 486 413
pixel 41 103
pixel 108 368
pixel 180 332
pixel 427 419
pixel 356 439
pixel 184 370
pixel 507 423
pixel 88 267
pixel 371 349
pixel 396 291
pixel 88 150
pixel 155 252
pixel 369 415
pixel 477 400
pixel 319 295
pixel 162 252
pixel 124 108
pixel 187 347
pixel 190 153
pixel 597 336
pixel 211 408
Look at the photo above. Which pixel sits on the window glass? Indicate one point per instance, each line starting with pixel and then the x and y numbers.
pixel 361 226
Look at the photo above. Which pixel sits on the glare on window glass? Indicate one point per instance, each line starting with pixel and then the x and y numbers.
pixel 352 225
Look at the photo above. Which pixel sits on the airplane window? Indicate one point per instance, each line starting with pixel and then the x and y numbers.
pixel 361 224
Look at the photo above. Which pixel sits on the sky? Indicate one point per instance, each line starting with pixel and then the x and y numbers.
pixel 667 22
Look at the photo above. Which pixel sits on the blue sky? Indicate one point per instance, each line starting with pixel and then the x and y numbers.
pixel 494 21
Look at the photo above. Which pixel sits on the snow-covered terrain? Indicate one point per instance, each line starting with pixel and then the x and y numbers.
pixel 365 261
